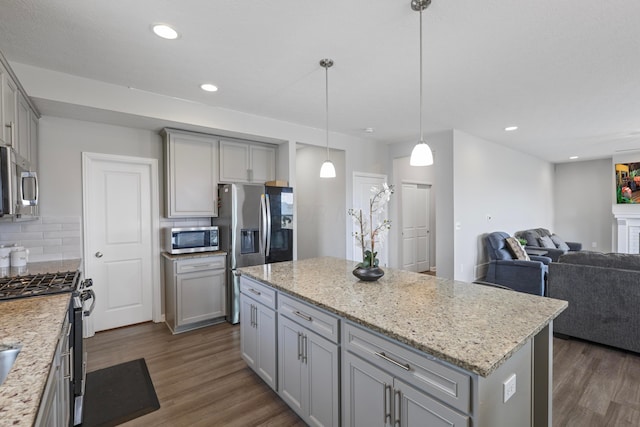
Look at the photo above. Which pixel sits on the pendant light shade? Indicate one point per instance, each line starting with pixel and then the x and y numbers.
pixel 421 154
pixel 328 170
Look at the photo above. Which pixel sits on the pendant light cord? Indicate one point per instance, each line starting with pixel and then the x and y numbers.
pixel 326 74
pixel 421 134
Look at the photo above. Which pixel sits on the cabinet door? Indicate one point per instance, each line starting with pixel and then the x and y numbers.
pixel 33 141
pixel 9 107
pixel 192 182
pixel 266 337
pixel 321 359
pixel 263 164
pixel 23 146
pixel 367 393
pixel 248 333
pixel 290 366
pixel 416 408
pixel 234 162
pixel 201 296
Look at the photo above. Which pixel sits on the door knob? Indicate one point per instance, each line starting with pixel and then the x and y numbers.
pixel 99 254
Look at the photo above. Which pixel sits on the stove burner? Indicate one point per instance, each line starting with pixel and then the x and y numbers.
pixel 38 284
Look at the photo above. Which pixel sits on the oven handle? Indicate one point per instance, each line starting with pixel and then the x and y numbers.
pixel 91 296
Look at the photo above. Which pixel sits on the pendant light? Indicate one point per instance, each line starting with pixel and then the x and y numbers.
pixel 421 154
pixel 327 170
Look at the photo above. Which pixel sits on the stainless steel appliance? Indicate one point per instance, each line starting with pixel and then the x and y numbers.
pixel 192 239
pixel 256 227
pixel 18 186
pixel 56 283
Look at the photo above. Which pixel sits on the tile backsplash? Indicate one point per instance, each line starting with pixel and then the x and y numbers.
pixel 55 238
pixel 48 238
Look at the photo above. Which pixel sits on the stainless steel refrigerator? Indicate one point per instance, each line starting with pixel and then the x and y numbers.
pixel 256 227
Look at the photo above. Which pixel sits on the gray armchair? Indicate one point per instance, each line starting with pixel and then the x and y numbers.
pixel 533 237
pixel 519 275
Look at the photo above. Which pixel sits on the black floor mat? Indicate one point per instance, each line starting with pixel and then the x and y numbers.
pixel 118 394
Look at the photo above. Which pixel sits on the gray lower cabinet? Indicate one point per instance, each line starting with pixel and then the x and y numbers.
pixel 258 330
pixel 373 397
pixel 195 292
pixel 55 406
pixel 308 373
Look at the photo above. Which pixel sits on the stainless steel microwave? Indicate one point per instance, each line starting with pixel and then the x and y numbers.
pixel 185 240
pixel 18 186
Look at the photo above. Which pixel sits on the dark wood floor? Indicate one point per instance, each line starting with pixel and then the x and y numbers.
pixel 201 380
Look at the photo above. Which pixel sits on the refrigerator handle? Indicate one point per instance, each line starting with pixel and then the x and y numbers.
pixel 263 223
pixel 268 230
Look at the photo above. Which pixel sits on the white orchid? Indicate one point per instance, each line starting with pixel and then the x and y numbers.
pixel 368 236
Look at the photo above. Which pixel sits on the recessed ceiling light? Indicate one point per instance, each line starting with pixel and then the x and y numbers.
pixel 369 130
pixel 209 87
pixel 573 157
pixel 511 128
pixel 165 31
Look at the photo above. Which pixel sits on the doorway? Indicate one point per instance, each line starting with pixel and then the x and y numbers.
pixel 415 227
pixel 121 248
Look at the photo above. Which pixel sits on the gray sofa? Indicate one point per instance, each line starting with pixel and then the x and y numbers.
pixel 555 245
pixel 603 291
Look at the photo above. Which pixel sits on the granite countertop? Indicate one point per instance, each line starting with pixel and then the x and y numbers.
pixel 167 255
pixel 472 326
pixel 36 323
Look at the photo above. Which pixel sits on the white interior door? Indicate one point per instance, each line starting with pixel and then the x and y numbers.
pixel 120 212
pixel 362 183
pixel 415 227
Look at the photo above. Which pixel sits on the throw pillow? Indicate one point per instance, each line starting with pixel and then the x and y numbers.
pixel 560 244
pixel 516 249
pixel 546 242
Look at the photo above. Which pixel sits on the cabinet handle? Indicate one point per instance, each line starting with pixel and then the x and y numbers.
pixel 304 316
pixel 387 412
pixel 304 348
pixel 404 366
pixel 252 321
pixel 254 291
pixel 69 326
pixel 299 345
pixel 398 407
pixel 255 310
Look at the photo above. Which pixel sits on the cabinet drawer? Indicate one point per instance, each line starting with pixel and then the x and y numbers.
pixel 422 371
pixel 310 317
pixel 259 292
pixel 198 264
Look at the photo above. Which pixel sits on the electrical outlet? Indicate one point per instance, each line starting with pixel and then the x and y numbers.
pixel 509 388
pixel 594 244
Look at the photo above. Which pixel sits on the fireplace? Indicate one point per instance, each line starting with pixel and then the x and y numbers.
pixel 627 228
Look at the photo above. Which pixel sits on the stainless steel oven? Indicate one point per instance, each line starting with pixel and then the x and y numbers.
pixel 192 239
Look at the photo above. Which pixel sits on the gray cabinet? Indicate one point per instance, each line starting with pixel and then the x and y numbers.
pixel 248 163
pixel 191 177
pixel 195 292
pixel 258 330
pixel 54 410
pixel 308 374
pixel 18 116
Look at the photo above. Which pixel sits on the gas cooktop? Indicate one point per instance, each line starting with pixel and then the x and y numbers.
pixel 38 284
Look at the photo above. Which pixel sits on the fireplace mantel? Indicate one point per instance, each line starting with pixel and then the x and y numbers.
pixel 628 227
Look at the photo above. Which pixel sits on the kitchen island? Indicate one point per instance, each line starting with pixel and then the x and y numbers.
pixel 481 338
pixel 36 324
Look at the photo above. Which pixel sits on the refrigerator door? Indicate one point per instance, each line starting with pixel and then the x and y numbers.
pixel 280 221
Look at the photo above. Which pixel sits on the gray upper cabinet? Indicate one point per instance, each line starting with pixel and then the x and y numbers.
pixel 248 163
pixel 19 117
pixel 191 178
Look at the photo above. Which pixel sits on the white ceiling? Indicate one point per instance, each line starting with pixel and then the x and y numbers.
pixel 566 72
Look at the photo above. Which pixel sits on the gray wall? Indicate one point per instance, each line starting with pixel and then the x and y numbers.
pixel 583 196
pixel 321 209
